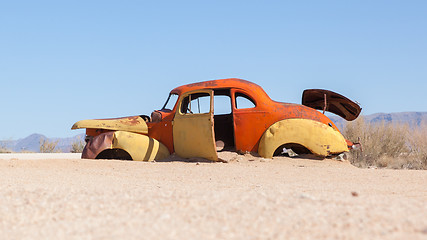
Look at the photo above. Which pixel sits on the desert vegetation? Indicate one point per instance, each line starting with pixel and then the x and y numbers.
pixel 4 146
pixel 77 146
pixel 4 149
pixel 47 146
pixel 388 145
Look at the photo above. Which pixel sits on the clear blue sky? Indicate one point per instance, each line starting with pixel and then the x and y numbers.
pixel 63 61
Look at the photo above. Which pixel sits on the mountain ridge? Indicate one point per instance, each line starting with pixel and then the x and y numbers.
pixel 32 143
pixel 413 119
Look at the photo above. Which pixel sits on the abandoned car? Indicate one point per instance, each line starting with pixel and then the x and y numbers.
pixel 232 114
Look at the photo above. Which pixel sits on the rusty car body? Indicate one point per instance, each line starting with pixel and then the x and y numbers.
pixel 191 124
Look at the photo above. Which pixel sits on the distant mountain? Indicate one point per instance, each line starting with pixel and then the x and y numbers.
pixel 32 143
pixel 410 118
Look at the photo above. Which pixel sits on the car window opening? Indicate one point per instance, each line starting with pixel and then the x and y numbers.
pixel 170 102
pixel 197 103
pixel 243 101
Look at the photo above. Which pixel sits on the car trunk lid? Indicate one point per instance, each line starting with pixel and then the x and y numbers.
pixel 333 102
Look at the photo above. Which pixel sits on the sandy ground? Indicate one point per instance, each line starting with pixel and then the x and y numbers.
pixel 247 198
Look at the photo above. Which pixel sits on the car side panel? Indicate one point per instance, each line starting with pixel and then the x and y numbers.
pixel 249 125
pixel 162 131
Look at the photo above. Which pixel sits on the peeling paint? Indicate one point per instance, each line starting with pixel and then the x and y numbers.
pixel 261 128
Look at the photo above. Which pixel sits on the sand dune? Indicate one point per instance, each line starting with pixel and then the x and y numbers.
pixel 247 198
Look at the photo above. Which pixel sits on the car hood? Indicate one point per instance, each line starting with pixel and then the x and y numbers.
pixel 332 102
pixel 131 124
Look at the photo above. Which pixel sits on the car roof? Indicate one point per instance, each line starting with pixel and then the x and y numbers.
pixel 222 83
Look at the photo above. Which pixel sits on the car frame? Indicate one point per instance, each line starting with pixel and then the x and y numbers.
pixel 252 123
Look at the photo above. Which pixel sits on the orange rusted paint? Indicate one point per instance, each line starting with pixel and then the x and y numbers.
pixel 249 124
pixel 162 131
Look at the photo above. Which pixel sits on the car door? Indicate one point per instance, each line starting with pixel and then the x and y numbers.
pixel 193 132
pixel 249 121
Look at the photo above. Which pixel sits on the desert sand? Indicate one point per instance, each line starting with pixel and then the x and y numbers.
pixel 247 198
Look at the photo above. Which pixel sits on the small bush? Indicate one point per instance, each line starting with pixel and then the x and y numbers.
pixel 77 146
pixel 47 146
pixel 387 145
pixel 3 149
pixel 418 144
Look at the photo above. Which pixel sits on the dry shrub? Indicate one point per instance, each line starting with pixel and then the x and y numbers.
pixel 77 146
pixel 47 146
pixel 418 145
pixel 387 145
pixel 4 149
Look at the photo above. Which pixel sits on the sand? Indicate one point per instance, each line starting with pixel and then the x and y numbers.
pixel 247 198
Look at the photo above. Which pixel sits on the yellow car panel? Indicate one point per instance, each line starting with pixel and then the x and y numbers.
pixel 140 147
pixel 319 138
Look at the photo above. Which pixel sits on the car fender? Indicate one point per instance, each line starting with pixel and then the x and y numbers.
pixel 321 139
pixel 140 147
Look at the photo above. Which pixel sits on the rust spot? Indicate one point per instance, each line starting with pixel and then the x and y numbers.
pixel 208 84
pixel 130 120
pixel 249 124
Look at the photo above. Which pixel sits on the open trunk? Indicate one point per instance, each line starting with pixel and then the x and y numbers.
pixel 329 101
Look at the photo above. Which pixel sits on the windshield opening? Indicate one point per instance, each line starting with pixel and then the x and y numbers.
pixel 170 103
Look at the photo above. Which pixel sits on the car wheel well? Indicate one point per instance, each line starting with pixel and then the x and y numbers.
pixel 297 148
pixel 115 153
